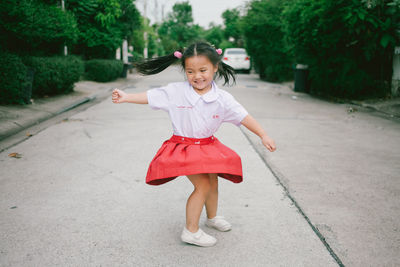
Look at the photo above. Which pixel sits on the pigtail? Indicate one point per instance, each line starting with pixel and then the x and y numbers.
pixel 155 65
pixel 227 72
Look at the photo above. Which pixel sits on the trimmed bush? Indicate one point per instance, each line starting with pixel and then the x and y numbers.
pixel 36 27
pixel 14 85
pixel 54 75
pixel 103 70
pixel 348 44
pixel 263 30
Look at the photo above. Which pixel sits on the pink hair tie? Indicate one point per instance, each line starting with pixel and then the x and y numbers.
pixel 219 51
pixel 177 54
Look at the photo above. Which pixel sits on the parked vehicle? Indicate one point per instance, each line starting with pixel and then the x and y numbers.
pixel 237 58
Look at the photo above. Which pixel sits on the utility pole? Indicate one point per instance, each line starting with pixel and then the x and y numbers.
pixel 163 10
pixel 145 51
pixel 156 11
pixel 65 46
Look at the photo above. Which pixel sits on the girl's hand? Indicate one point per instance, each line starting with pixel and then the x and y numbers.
pixel 268 143
pixel 118 96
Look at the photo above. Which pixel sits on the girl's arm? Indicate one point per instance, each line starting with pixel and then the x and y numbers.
pixel 250 123
pixel 119 96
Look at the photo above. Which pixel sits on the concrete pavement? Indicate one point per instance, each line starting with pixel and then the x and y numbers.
pixel 77 195
pixel 339 163
pixel 16 118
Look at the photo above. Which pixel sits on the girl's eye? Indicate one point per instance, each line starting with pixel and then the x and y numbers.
pixel 203 70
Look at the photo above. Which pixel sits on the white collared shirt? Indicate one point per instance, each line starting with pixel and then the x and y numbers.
pixel 193 115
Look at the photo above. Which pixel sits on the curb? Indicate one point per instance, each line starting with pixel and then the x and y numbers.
pixel 375 109
pixel 20 127
pixel 74 104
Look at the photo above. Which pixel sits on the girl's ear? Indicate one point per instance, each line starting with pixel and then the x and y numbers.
pixel 216 68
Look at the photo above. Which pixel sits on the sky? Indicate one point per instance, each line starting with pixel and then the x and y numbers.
pixel 204 11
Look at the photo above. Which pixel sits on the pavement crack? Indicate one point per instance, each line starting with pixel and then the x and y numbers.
pixel 87 133
pixel 279 177
pixel 19 125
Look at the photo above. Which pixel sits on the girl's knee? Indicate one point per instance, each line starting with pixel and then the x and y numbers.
pixel 201 183
pixel 203 187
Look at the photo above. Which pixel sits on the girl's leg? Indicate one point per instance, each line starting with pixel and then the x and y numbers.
pixel 195 202
pixel 214 221
pixel 212 198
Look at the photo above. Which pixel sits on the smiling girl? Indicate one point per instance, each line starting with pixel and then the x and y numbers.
pixel 196 108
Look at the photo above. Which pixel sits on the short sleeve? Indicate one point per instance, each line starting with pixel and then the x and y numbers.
pixel 158 98
pixel 234 111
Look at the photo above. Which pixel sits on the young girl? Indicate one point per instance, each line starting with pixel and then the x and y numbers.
pixel 196 108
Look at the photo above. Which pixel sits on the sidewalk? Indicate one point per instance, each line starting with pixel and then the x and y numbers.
pixel 389 107
pixel 15 118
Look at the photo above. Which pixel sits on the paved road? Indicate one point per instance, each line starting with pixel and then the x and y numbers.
pixel 340 164
pixel 77 196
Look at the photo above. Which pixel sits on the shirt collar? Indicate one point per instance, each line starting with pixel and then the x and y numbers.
pixel 209 97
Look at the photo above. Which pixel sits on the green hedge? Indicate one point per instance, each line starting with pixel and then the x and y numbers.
pixel 54 75
pixel 263 30
pixel 14 86
pixel 36 27
pixel 103 70
pixel 348 44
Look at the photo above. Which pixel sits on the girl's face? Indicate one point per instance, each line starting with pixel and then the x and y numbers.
pixel 200 73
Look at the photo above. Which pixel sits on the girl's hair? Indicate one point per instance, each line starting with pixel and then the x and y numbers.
pixel 156 65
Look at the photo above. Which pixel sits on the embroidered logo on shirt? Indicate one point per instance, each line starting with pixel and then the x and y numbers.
pixel 215 116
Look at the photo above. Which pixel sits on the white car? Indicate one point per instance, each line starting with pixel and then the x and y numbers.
pixel 237 58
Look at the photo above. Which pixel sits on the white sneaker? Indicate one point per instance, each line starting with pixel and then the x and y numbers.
pixel 199 238
pixel 219 223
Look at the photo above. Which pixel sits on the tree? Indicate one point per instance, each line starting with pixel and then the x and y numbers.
pixel 179 29
pixel 232 31
pixel 263 30
pixel 214 35
pixel 35 28
pixel 103 24
pixel 130 20
pixel 348 44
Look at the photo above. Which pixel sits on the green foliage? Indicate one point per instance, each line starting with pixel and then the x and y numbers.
pixel 138 56
pixel 233 30
pixel 182 13
pixel 108 12
pixel 263 30
pixel 54 75
pixel 214 35
pixel 130 21
pixel 178 31
pixel 137 39
pixel 226 44
pixel 13 77
pixel 103 70
pixel 30 26
pixel 348 44
pixel 103 25
pixel 154 45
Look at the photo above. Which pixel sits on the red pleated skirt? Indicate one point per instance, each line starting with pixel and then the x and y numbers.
pixel 180 156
